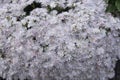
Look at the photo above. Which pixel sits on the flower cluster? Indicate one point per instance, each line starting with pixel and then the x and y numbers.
pixel 57 40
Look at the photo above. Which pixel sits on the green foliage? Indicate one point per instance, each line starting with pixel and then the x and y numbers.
pixel 59 9
pixel 113 7
pixel 117 3
pixel 32 6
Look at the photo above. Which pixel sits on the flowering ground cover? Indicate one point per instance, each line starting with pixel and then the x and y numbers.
pixel 58 40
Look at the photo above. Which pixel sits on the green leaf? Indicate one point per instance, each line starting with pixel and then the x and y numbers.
pixel 117 4
pixel 111 8
pixel 111 2
pixel 106 1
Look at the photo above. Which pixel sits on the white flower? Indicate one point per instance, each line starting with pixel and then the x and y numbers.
pixel 53 4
